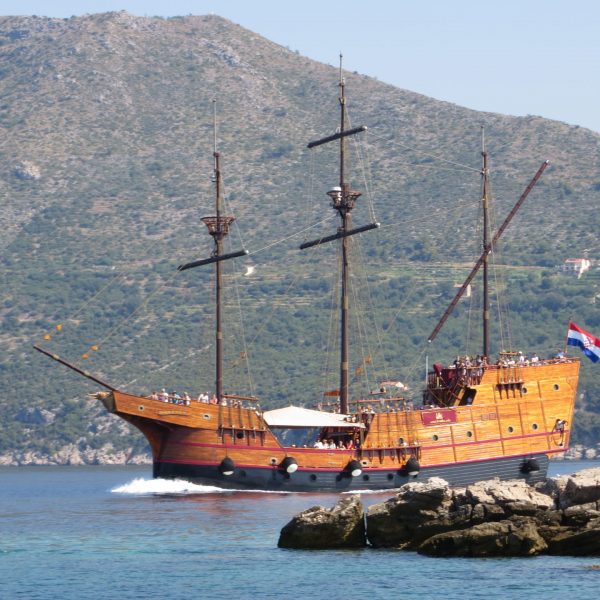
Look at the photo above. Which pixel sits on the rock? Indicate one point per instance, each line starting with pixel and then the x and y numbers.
pixel 580 515
pixel 489 518
pixel 504 538
pixel 396 522
pixel 581 488
pixel 508 492
pixel 342 526
pixel 27 170
pixel 572 542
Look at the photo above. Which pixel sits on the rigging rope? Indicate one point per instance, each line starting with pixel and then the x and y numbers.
pixel 121 323
pixel 394 142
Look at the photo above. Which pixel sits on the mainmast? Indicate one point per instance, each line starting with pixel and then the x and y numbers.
pixel 343 200
pixel 485 207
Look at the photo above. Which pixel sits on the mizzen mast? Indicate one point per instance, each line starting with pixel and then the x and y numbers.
pixel 487 250
pixel 343 200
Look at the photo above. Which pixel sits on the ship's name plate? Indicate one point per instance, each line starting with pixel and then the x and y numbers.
pixel 438 417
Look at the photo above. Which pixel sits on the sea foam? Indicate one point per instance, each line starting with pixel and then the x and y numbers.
pixel 142 487
pixel 146 487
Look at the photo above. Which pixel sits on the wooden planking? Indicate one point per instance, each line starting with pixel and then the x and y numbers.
pixel 193 433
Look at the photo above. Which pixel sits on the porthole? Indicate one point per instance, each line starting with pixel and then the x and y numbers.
pixel 510 429
pixel 206 416
pixel 390 476
pixel 239 435
pixel 435 438
pixel 273 460
pixel 534 426
pixel 469 434
pixel 364 463
pixel 365 478
pixel 556 387
pixel 401 441
pixel 243 473
pixel 313 477
pixel 141 408
pixel 524 390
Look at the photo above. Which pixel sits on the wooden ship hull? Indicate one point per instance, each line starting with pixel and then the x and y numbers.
pixel 494 422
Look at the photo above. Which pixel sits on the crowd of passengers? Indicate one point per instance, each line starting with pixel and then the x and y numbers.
pixel 512 359
pixel 348 444
pixel 185 399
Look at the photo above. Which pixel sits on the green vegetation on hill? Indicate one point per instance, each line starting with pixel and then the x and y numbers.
pixel 105 172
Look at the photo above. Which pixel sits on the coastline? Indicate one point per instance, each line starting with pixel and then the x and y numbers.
pixel 72 455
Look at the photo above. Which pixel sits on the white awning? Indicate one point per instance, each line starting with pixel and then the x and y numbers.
pixel 294 416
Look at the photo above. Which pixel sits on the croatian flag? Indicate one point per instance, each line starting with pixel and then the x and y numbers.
pixel 586 341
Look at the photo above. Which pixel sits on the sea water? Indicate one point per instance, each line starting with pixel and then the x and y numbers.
pixel 114 532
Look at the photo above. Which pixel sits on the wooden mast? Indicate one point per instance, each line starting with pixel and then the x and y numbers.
pixel 486 251
pixel 343 200
pixel 485 207
pixel 344 210
pixel 218 228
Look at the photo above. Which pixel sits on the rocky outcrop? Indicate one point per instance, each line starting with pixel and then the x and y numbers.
pixel 341 526
pixel 488 518
pixel 515 537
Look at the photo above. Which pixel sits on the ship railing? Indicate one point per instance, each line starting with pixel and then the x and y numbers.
pixel 451 376
pixel 445 377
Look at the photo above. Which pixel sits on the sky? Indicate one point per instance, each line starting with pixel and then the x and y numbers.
pixel 515 57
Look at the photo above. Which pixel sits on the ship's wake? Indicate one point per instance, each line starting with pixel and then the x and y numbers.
pixel 179 487
pixel 145 487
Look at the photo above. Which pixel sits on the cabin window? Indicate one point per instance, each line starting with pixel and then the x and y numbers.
pixel 510 429
pixel 435 438
pixel 555 386
pixel 469 434
pixel 524 390
pixel 206 416
pixel 300 437
pixel 534 426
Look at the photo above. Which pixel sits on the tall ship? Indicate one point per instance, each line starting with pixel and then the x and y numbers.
pixel 478 418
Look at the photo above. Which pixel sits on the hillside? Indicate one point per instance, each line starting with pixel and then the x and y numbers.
pixel 105 172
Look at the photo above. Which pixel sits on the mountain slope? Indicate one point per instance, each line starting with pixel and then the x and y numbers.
pixel 105 167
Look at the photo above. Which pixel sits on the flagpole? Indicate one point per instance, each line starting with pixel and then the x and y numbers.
pixel 567 338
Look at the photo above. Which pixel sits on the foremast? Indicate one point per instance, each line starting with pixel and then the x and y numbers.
pixel 218 228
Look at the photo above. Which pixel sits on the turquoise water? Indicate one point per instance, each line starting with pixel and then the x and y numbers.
pixel 113 532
